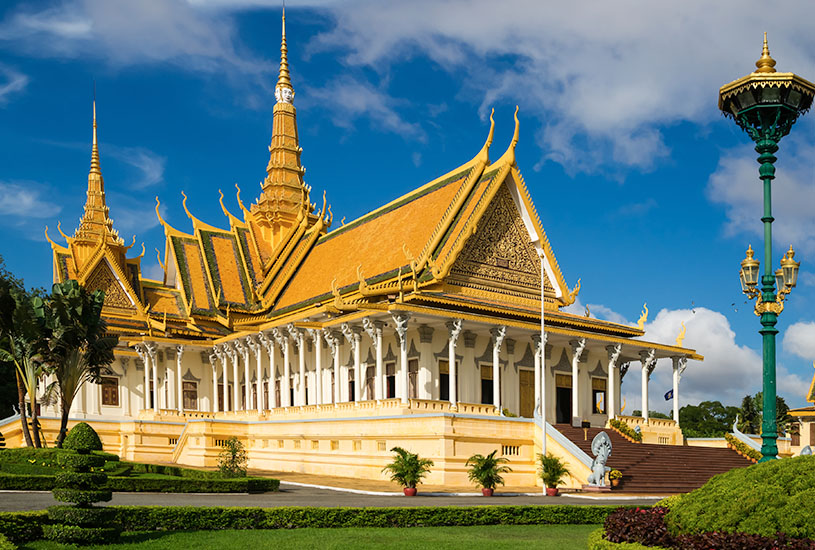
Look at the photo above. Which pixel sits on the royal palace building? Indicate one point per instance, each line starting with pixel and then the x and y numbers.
pixel 435 322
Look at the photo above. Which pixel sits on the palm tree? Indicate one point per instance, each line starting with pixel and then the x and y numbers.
pixel 486 470
pixel 22 341
pixel 407 469
pixel 79 350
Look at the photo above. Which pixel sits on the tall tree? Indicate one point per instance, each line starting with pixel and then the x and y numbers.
pixel 9 388
pixel 707 419
pixel 79 350
pixel 22 341
pixel 782 411
pixel 750 414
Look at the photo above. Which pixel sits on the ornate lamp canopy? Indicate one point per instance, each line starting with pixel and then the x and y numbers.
pixel 749 272
pixel 766 103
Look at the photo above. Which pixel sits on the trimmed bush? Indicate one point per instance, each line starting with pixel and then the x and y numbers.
pixel 642 525
pixel 81 462
pixel 82 497
pixel 150 485
pixel 763 499
pixel 625 429
pixel 82 436
pixel 74 534
pixel 742 447
pixel 598 542
pixel 10 482
pixel 21 527
pixel 77 480
pixel 75 515
pixel 6 544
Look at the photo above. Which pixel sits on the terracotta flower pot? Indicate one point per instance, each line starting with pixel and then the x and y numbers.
pixel 409 491
pixel 551 491
pixel 615 482
pixel 487 492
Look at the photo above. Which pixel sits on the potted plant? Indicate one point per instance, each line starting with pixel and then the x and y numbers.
pixel 485 471
pixel 407 469
pixel 552 472
pixel 614 476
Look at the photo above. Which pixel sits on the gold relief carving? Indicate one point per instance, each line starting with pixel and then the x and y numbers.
pixel 500 251
pixel 102 279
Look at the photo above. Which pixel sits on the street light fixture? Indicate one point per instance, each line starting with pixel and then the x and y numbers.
pixel 766 104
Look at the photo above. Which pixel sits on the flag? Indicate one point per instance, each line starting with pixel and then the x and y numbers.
pixel 669 395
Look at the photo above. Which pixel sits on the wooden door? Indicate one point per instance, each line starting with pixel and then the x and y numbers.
pixel 526 390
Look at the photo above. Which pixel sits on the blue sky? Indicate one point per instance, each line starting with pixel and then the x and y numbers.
pixel 646 192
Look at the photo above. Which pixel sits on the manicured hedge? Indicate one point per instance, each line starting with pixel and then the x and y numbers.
pixel 82 436
pixel 6 544
pixel 763 499
pixel 625 429
pixel 150 485
pixel 27 526
pixel 598 542
pixel 742 447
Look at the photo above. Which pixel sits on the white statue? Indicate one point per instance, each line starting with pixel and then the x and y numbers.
pixel 601 448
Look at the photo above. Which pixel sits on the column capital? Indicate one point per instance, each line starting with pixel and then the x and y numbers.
pixel 577 347
pixel 498 334
pixel 253 343
pixel 240 347
pixel 373 329
pixel 401 321
pixel 648 360
pixel 455 327
pixel 352 333
pixel 280 338
pixel 614 351
pixel 151 348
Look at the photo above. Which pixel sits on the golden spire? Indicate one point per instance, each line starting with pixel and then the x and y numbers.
pixel 283 80
pixel 765 64
pixel 95 148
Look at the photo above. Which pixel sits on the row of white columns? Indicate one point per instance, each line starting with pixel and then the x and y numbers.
pixel 148 353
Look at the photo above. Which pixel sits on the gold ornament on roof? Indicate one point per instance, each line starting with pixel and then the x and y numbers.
pixel 643 317
pixel 681 337
pixel 765 64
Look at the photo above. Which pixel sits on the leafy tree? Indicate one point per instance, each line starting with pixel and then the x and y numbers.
pixel 707 419
pixel 22 341
pixel 79 350
pixel 652 414
pixel 782 412
pixel 232 460
pixel 11 391
pixel 750 415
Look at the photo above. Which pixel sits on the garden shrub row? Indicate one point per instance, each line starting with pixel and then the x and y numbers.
pixel 597 541
pixel 27 526
pixel 150 485
pixel 625 429
pixel 742 447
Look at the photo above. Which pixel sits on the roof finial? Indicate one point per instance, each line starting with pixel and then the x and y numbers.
pixel 765 64
pixel 95 149
pixel 284 91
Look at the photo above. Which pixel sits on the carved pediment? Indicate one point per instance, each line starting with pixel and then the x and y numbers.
pixel 500 255
pixel 102 278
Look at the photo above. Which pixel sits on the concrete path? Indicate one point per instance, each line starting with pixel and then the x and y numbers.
pixel 299 495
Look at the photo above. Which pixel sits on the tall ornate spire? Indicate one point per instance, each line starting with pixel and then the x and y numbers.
pixel 765 64
pixel 285 197
pixel 95 225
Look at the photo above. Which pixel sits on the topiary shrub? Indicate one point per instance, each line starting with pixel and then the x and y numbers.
pixel 82 523
pixel 642 525
pixel 763 499
pixel 82 436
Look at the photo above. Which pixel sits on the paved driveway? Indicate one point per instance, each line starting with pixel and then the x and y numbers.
pixel 297 495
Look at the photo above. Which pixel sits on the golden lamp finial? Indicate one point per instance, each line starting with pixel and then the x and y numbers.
pixel 284 91
pixel 765 64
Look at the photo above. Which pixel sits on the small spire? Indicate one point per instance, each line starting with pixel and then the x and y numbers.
pixel 283 79
pixel 95 169
pixel 765 64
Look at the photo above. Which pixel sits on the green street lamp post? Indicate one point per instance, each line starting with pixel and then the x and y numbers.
pixel 766 104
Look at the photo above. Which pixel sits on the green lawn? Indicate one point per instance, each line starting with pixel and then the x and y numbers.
pixel 493 537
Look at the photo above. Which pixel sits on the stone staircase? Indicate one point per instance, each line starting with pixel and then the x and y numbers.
pixel 662 469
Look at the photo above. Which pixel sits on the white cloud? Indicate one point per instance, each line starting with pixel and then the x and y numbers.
pixel 728 373
pixel 735 184
pixel 149 164
pixel 131 216
pixel 602 78
pixel 20 201
pixel 11 82
pixel 348 99
pixel 799 339
pixel 128 33
pixel 598 311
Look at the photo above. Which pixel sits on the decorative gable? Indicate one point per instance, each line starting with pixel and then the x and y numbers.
pixel 500 255
pixel 116 297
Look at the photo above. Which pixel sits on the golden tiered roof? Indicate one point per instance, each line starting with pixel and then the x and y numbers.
pixel 467 242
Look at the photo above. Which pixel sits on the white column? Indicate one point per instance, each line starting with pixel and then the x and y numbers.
pixel 648 363
pixel 298 340
pixel 679 364
pixel 268 343
pixel 577 350
pixel 151 352
pixel 317 337
pixel 179 352
pixel 146 362
pixel 241 352
pixel 401 321
pixel 255 400
pixel 374 330
pixel 213 359
pixel 223 355
pixel 613 358
pixel 232 351
pixel 498 334
pixel 536 346
pixel 454 327
pixel 333 342
pixel 285 382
